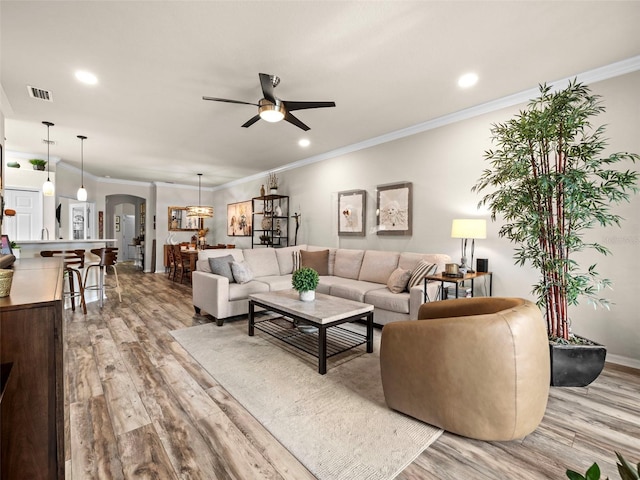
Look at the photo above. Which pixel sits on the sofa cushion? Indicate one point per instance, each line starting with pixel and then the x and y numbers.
pixel 398 280
pixel 378 265
pixel 332 256
pixel 242 272
pixel 276 282
pixel 421 270
pixel 263 261
pixel 202 264
pixel 409 260
pixel 348 263
pixel 285 258
pixel 240 291
pixel 222 266
pixel 319 260
pixel 353 289
pixel 384 299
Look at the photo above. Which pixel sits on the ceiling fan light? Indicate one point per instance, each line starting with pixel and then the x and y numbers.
pixel 271 112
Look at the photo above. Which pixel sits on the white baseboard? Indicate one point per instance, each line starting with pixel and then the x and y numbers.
pixel 626 361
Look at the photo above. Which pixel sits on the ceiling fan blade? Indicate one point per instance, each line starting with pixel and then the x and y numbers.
pixel 250 122
pixel 291 106
pixel 293 120
pixel 267 87
pixel 226 100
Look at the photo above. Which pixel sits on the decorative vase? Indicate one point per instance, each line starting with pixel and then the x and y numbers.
pixel 273 191
pixel 262 192
pixel 308 295
pixel 278 211
pixel 266 223
pixel 16 253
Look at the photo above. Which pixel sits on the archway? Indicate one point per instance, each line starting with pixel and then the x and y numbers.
pixel 124 220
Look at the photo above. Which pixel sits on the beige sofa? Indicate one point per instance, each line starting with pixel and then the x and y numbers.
pixel 359 275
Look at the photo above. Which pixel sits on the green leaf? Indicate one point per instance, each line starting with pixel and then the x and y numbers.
pixel 594 472
pixel 574 475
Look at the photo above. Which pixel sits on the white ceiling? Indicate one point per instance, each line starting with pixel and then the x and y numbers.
pixel 388 65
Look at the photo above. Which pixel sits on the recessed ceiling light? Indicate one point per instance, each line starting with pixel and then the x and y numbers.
pixel 304 142
pixel 467 80
pixel 86 77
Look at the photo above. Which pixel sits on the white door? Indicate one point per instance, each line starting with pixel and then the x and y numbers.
pixel 129 231
pixel 27 223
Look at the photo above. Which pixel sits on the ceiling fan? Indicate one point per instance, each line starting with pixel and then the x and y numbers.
pixel 273 109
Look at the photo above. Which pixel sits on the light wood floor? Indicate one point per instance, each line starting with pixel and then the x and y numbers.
pixel 138 406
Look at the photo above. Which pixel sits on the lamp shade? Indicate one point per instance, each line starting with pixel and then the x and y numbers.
pixel 469 228
pixel 200 211
pixel 82 194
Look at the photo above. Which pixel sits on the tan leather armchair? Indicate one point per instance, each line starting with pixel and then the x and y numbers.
pixel 477 367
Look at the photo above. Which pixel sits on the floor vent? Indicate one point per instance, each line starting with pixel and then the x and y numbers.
pixel 40 94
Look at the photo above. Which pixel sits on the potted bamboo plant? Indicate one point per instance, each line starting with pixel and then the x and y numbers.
pixel 551 182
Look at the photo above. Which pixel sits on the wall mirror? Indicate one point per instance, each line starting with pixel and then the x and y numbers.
pixel 178 220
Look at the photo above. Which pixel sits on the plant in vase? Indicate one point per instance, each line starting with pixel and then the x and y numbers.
pixel 37 163
pixel 550 184
pixel 15 248
pixel 304 281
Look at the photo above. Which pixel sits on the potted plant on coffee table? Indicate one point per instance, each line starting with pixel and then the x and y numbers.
pixel 305 280
pixel 551 182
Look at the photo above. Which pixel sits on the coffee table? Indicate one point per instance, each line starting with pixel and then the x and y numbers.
pixel 325 313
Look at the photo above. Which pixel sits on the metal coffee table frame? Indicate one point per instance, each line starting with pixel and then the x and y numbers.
pixel 330 339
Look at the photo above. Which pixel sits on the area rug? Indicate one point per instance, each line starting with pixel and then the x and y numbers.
pixel 337 425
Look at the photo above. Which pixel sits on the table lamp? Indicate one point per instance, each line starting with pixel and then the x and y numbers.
pixel 465 229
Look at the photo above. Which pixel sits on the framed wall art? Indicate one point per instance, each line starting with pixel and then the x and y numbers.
pixel 239 219
pixel 393 211
pixel 352 213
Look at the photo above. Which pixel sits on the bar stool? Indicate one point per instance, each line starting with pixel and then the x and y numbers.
pixel 73 261
pixel 108 258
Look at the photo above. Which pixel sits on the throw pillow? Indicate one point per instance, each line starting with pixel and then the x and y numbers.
pixel 241 272
pixel 423 268
pixel 319 260
pixel 398 280
pixel 222 266
pixel 295 258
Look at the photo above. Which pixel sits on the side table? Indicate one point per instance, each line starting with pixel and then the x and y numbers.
pixel 457 280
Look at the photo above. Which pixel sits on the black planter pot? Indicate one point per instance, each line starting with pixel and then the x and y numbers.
pixel 576 365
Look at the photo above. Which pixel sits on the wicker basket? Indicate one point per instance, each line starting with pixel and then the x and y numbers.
pixel 6 276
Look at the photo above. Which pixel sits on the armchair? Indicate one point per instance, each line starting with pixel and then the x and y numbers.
pixel 477 367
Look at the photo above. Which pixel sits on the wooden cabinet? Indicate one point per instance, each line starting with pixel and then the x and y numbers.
pixel 270 220
pixel 32 404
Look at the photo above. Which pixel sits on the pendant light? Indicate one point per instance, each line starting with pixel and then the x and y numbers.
pixel 82 192
pixel 200 211
pixel 48 188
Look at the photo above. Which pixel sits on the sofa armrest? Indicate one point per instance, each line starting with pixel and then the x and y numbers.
pixel 417 297
pixel 211 293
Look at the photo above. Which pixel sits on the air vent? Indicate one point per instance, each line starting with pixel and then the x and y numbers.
pixel 50 142
pixel 40 94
